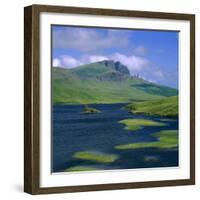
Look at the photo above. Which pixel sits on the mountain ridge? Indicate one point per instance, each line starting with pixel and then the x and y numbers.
pixel 103 82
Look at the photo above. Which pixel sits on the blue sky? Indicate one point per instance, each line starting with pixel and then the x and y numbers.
pixel 151 54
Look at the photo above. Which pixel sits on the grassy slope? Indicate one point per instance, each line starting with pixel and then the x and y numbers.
pixel 167 107
pixel 80 86
pixel 91 70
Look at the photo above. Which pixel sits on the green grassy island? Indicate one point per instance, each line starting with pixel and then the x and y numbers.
pixel 165 107
pixel 165 139
pixel 89 110
pixel 80 168
pixel 136 124
pixel 98 157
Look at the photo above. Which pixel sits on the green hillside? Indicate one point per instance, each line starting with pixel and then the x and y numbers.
pixel 167 107
pixel 103 82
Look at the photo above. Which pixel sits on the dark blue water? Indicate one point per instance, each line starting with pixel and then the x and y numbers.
pixel 74 132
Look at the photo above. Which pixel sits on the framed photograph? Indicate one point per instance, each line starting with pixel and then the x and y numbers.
pixel 109 99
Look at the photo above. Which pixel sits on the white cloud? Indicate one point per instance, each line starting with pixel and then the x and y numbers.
pixel 70 62
pixel 159 75
pixel 56 62
pixel 66 61
pixel 141 50
pixel 93 58
pixel 87 40
pixel 134 63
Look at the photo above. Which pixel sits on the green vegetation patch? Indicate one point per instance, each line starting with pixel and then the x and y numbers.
pixel 165 139
pixel 80 168
pixel 166 107
pixel 96 156
pixel 136 124
pixel 89 110
pixel 151 158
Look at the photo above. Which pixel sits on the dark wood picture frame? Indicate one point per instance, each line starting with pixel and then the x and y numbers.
pixel 32 105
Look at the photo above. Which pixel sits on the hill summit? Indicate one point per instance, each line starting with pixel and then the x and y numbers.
pixel 119 67
pixel 106 70
pixel 105 81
